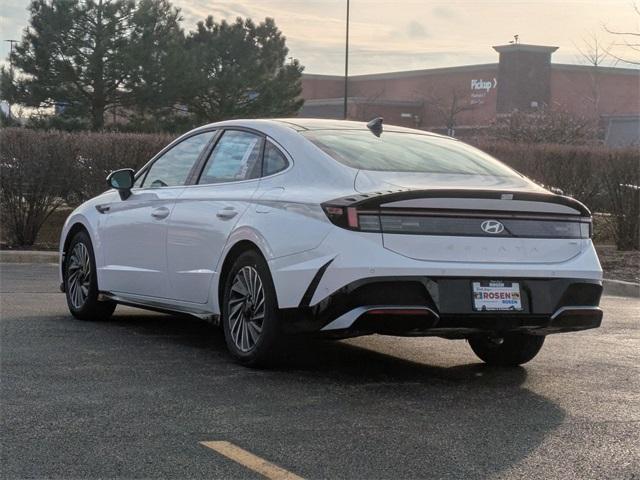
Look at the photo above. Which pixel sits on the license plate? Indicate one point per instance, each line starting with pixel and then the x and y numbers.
pixel 494 295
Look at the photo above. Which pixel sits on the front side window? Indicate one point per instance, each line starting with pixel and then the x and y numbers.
pixel 406 152
pixel 235 157
pixel 172 168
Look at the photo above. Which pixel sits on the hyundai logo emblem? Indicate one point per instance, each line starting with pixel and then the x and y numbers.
pixel 493 227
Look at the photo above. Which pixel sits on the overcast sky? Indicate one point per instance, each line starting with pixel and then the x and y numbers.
pixel 389 35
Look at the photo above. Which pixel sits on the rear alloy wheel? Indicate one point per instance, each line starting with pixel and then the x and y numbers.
pixel 249 311
pixel 507 351
pixel 80 281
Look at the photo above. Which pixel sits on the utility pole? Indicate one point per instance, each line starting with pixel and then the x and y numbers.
pixel 11 43
pixel 346 66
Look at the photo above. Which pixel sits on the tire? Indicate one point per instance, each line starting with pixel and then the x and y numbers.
pixel 81 283
pixel 250 312
pixel 508 351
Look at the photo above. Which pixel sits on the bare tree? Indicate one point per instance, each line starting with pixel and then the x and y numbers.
pixel 449 106
pixel 594 53
pixel 367 106
pixel 629 40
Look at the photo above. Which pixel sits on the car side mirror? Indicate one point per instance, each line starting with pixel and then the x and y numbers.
pixel 122 180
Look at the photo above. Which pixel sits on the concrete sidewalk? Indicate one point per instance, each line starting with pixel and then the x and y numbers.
pixel 611 287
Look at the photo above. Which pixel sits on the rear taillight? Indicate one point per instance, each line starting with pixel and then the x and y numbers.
pixel 449 223
pixel 462 213
pixel 352 218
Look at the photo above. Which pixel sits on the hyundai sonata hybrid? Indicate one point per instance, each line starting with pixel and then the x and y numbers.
pixel 278 228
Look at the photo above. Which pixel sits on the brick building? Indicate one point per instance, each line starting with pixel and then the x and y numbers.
pixel 475 96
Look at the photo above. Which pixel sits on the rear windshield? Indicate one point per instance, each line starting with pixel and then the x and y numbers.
pixel 405 152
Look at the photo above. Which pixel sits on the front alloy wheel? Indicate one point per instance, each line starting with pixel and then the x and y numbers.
pixel 81 282
pixel 246 308
pixel 79 275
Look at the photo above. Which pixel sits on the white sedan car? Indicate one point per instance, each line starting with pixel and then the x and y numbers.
pixel 272 228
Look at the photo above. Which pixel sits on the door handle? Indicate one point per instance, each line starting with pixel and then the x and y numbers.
pixel 103 208
pixel 160 213
pixel 227 213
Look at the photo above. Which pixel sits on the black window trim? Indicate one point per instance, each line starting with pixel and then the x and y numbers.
pixel 197 170
pixel 286 156
pixel 145 169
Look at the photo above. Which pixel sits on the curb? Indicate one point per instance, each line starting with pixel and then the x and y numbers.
pixel 28 256
pixel 619 288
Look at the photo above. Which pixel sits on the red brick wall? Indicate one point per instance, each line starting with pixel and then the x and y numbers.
pixel 322 86
pixel 574 90
pixel 434 88
pixel 571 90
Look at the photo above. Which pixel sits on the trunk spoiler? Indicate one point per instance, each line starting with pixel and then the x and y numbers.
pixel 374 200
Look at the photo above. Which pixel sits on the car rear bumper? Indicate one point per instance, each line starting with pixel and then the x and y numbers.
pixel 432 306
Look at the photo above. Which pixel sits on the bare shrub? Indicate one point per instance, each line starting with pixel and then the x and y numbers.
pixel 36 176
pixel 546 126
pixel 606 180
pixel 100 153
pixel 621 180
pixel 40 171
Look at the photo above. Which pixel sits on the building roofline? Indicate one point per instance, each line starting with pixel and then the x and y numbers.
pixel 368 101
pixel 463 68
pixel 323 76
pixel 590 68
pixel 406 73
pixel 524 47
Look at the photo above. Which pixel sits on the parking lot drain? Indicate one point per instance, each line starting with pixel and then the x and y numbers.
pixel 251 461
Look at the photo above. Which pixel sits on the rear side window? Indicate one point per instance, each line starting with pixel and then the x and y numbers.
pixel 235 157
pixel 172 168
pixel 405 152
pixel 274 160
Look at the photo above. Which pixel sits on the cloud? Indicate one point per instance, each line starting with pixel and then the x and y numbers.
pixel 387 35
pixel 416 30
pixel 444 12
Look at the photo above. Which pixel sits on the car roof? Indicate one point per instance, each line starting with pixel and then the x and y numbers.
pixel 310 124
pixel 301 124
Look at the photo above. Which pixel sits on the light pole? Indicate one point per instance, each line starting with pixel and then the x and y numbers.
pixel 11 43
pixel 346 66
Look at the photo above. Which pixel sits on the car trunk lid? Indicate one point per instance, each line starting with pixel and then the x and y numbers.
pixel 473 224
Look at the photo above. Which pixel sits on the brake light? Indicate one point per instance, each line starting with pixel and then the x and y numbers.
pixel 351 218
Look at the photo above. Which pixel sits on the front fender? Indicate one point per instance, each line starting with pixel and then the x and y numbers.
pixel 90 219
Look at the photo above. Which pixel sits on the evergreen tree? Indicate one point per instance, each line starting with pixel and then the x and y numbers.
pixel 239 70
pixel 86 57
pixel 74 55
pixel 157 57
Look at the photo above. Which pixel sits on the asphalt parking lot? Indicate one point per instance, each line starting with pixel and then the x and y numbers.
pixel 134 397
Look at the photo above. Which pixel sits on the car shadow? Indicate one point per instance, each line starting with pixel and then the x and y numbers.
pixel 392 416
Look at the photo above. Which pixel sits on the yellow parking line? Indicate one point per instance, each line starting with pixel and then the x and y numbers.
pixel 251 461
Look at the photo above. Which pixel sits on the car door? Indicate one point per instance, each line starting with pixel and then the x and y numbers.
pixel 135 231
pixel 207 212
